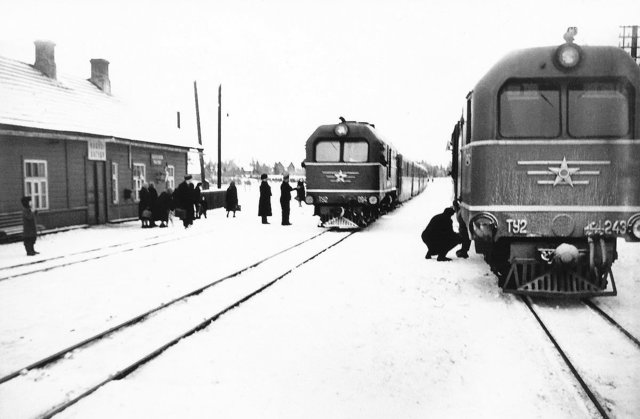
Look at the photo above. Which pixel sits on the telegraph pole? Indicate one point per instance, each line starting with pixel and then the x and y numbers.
pixel 205 184
pixel 220 136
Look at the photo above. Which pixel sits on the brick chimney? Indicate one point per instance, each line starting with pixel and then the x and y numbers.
pixel 45 59
pixel 100 74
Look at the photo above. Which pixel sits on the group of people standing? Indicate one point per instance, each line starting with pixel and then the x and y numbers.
pixel 186 202
pixel 264 205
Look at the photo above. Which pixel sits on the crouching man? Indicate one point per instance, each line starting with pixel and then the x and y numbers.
pixel 439 235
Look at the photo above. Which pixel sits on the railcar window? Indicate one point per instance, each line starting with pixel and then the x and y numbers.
pixel 529 110
pixel 328 151
pixel 598 109
pixel 356 151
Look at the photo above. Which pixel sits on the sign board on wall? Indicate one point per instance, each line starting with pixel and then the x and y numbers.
pixel 97 149
pixel 157 159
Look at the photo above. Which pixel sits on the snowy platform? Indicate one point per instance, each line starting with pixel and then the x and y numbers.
pixel 369 329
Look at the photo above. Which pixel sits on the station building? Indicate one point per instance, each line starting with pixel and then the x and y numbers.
pixel 81 153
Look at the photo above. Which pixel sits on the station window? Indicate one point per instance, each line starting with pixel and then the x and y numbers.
pixel 36 184
pixel 529 110
pixel 356 151
pixel 139 176
pixel 599 109
pixel 328 151
pixel 115 198
pixel 170 176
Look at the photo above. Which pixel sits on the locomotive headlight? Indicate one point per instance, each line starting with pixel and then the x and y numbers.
pixel 568 56
pixel 341 130
pixel 374 200
pixel 484 226
pixel 634 229
pixel 309 199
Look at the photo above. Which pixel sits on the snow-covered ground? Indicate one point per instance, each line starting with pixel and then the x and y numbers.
pixel 369 329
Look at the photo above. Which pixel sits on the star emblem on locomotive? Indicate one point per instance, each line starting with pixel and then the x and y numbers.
pixel 340 176
pixel 563 173
pixel 566 171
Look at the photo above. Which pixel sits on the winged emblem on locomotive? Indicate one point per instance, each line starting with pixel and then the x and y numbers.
pixel 565 172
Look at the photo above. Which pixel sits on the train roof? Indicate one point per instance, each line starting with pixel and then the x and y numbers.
pixel 540 62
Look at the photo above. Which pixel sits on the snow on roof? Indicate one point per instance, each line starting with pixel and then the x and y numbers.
pixel 72 104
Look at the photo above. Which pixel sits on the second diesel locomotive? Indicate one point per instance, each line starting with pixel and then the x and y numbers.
pixel 354 175
pixel 546 165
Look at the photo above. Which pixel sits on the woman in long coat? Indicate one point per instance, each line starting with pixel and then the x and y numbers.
pixel 144 203
pixel 231 199
pixel 164 204
pixel 264 205
pixel 300 192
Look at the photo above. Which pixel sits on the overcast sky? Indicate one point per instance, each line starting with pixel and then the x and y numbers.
pixel 287 66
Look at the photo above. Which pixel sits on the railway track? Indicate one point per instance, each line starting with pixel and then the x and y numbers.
pixel 602 355
pixel 118 351
pixel 60 261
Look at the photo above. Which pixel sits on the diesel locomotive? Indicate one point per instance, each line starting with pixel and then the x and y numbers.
pixel 546 166
pixel 354 175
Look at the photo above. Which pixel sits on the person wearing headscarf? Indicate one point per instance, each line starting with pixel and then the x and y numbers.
pixel 300 192
pixel 231 199
pixel 144 204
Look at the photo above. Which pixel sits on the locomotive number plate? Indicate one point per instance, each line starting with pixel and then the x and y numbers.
pixel 606 227
pixel 517 226
pixel 323 199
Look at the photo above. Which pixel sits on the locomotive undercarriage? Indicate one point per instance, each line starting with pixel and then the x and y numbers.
pixel 347 217
pixel 535 267
pixel 352 216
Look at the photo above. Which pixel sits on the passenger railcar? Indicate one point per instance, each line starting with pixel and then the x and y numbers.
pixel 354 175
pixel 546 166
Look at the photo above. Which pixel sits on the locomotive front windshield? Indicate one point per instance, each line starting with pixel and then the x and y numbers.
pixel 336 151
pixel 598 109
pixel 529 110
pixel 593 109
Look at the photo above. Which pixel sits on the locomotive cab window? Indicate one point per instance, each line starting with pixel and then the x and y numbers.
pixel 529 110
pixel 356 151
pixel 328 151
pixel 599 109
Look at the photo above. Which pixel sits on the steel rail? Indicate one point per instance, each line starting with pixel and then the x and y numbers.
pixel 137 364
pixel 565 358
pixel 128 249
pixel 617 325
pixel 58 355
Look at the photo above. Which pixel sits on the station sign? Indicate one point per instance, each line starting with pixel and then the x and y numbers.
pixel 97 149
pixel 157 159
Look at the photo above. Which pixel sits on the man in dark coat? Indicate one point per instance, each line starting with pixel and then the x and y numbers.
pixel 231 199
pixel 264 205
pixel 184 200
pixel 285 200
pixel 463 232
pixel 439 235
pixel 29 231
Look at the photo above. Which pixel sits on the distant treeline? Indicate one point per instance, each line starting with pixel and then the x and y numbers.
pixel 435 170
pixel 231 169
